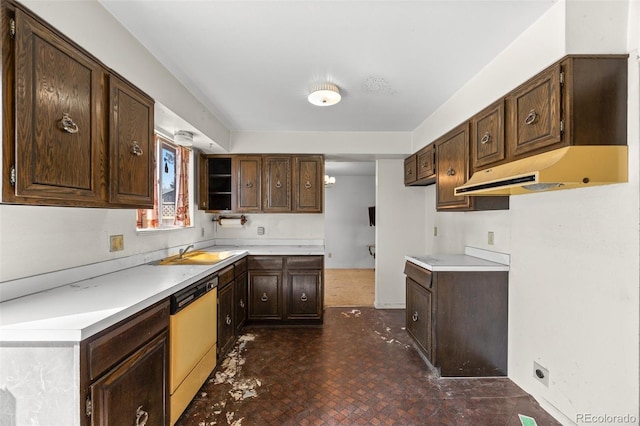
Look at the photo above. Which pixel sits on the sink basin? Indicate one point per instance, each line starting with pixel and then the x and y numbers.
pixel 197 258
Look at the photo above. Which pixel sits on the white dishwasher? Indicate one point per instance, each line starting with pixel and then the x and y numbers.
pixel 192 340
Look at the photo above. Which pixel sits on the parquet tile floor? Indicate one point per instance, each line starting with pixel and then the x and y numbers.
pixel 360 368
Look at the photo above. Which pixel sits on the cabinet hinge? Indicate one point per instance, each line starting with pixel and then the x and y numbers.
pixel 88 407
pixel 12 176
pixel 561 126
pixel 12 28
pixel 561 78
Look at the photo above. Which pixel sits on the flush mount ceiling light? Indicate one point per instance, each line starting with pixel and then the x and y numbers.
pixel 183 138
pixel 329 181
pixel 325 94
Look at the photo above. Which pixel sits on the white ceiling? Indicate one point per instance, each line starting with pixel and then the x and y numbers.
pixel 252 63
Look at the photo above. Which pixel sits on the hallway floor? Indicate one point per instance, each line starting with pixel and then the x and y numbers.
pixel 360 368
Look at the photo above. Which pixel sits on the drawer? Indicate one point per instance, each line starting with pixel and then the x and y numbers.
pixel 304 262
pixel 225 276
pixel 419 275
pixel 240 267
pixel 117 342
pixel 266 262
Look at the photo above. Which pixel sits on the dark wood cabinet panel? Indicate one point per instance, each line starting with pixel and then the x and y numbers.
pixel 240 301
pixel 134 392
pixel 304 294
pixel 487 136
pixel 459 319
pixel 418 316
pixel 410 174
pixel 452 165
pixel 308 185
pixel 216 184
pixel 59 133
pixel 226 325
pixel 248 169
pixel 535 113
pixel 426 165
pixel 277 173
pixel 131 146
pixel 265 289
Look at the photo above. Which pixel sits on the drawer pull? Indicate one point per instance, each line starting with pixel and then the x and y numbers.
pixel 135 148
pixel 485 139
pixel 531 118
pixel 415 317
pixel 278 184
pixel 228 320
pixel 304 297
pixel 307 185
pixel 141 417
pixel 249 184
pixel 451 171
pixel 241 303
pixel 67 124
pixel 264 297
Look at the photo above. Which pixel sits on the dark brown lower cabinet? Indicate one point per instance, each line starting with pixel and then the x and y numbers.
pixel 124 371
pixel 240 301
pixel 226 326
pixel 459 319
pixel 285 289
pixel 134 392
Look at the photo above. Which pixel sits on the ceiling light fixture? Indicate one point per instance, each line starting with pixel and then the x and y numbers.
pixel 325 94
pixel 329 181
pixel 183 138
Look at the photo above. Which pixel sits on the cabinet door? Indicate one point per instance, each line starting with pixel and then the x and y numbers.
pixel 304 294
pixel 535 114
pixel 131 146
pixel 419 315
pixel 249 183
pixel 59 133
pixel 308 185
pixel 226 328
pixel 277 182
pixel 240 301
pixel 410 170
pixel 264 295
pixel 426 163
pixel 215 190
pixel 452 165
pixel 487 141
pixel 135 391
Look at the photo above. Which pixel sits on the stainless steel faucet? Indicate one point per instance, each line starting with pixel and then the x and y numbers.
pixel 184 251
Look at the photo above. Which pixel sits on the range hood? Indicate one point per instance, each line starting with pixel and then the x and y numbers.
pixel 563 168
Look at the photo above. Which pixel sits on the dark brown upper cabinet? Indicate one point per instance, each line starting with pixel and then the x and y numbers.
pixel 59 132
pixel 487 136
pixel 69 122
pixel 420 168
pixel 410 169
pixel 308 183
pixel 131 146
pixel 580 100
pixel 277 173
pixel 248 170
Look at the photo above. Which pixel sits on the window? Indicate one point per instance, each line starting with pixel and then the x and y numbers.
pixel 172 207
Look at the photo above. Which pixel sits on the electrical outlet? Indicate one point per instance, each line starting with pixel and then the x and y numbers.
pixel 329 255
pixel 541 374
pixel 490 238
pixel 435 231
pixel 260 230
pixel 202 231
pixel 116 242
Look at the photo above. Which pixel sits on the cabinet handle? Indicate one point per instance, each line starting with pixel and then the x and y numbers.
pixel 278 184
pixel 141 417
pixel 415 317
pixel 307 185
pixel 249 184
pixel 136 149
pixel 451 171
pixel 264 297
pixel 304 297
pixel 228 320
pixel 67 124
pixel 424 164
pixel 409 172
pixel 531 118
pixel 241 303
pixel 485 139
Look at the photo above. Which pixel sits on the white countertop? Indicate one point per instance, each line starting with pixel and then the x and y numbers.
pixel 76 311
pixel 472 260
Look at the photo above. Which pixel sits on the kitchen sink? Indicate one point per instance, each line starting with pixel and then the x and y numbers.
pixel 197 258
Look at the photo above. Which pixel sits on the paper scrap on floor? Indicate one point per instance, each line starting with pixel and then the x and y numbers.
pixel 527 421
